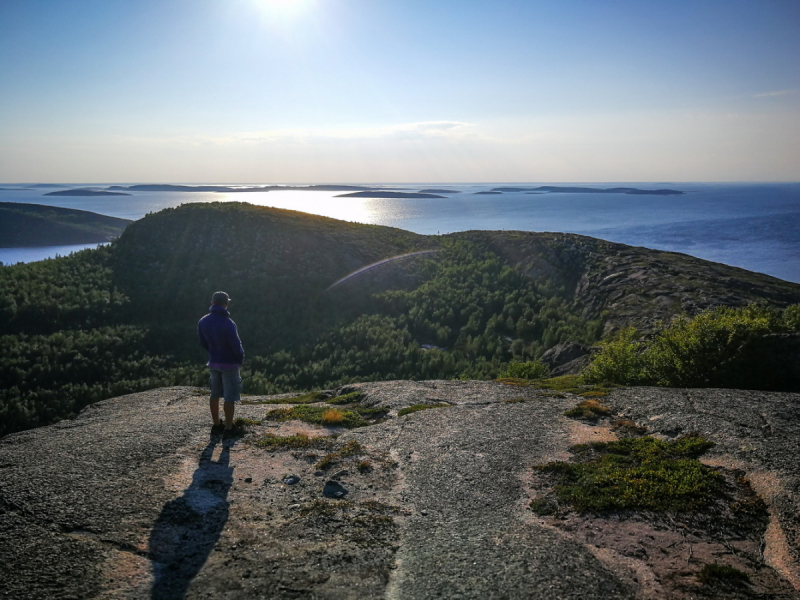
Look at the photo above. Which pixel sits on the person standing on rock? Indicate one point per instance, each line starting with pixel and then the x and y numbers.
pixel 218 335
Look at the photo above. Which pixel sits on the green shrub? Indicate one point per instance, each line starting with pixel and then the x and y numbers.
pixel 619 361
pixel 526 370
pixel 722 347
pixel 717 348
pixel 791 318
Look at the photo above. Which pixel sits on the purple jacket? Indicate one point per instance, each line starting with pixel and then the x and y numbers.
pixel 218 335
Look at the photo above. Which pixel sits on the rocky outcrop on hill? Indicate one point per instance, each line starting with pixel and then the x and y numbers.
pixel 134 498
pixel 629 285
pixel 568 358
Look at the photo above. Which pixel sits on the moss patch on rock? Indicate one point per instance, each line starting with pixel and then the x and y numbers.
pixel 293 442
pixel 309 398
pixel 320 415
pixel 350 398
pixel 634 474
pixel 572 384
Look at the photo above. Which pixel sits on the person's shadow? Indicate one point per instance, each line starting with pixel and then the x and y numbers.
pixel 188 527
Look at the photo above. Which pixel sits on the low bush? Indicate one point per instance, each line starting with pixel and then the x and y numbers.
pixel 722 347
pixel 791 318
pixel 525 370
pixel 619 360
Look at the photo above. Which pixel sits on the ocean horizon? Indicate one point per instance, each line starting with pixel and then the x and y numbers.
pixel 755 226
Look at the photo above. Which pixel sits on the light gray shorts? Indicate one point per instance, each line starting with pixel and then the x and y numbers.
pixel 226 383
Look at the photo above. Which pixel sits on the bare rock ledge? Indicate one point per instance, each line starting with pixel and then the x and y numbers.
pixel 136 499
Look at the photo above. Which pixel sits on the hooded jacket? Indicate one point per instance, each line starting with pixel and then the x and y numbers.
pixel 218 334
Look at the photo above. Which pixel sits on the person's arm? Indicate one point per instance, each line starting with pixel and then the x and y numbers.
pixel 236 343
pixel 201 337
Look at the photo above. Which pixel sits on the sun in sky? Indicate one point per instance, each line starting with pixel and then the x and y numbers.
pixel 282 9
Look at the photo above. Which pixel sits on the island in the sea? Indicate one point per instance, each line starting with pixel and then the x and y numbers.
pixel 23 225
pixel 438 191
pixel 85 193
pixel 382 194
pixel 489 193
pixel 553 189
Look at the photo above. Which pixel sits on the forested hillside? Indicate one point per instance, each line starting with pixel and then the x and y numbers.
pixel 38 225
pixel 101 323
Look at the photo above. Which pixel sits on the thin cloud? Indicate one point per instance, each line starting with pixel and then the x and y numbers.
pixel 422 130
pixel 772 94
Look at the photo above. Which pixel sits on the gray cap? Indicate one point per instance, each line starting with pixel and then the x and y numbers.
pixel 220 298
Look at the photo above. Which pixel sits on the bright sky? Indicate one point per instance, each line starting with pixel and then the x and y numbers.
pixel 280 91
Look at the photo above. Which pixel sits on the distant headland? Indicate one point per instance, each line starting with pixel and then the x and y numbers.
pixel 24 225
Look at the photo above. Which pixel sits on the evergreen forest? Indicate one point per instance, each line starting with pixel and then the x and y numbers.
pixel 121 319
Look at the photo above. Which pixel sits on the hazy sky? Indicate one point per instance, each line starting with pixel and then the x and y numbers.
pixel 399 90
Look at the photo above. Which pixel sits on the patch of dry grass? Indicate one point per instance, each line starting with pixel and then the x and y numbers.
pixel 332 416
pixel 591 410
pixel 350 448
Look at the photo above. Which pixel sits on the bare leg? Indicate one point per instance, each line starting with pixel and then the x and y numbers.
pixel 229 407
pixel 214 404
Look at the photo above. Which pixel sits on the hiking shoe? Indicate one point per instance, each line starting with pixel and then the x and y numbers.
pixel 218 428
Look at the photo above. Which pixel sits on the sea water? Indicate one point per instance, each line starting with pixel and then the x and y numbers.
pixel 754 226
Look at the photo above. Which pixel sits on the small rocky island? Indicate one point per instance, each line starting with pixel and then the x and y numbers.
pixel 85 193
pixel 382 194
pixel 438 191
pixel 553 189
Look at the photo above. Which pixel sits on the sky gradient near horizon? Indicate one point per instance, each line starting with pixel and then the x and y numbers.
pixel 311 91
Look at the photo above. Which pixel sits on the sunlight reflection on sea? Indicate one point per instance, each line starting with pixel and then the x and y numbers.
pixel 754 226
